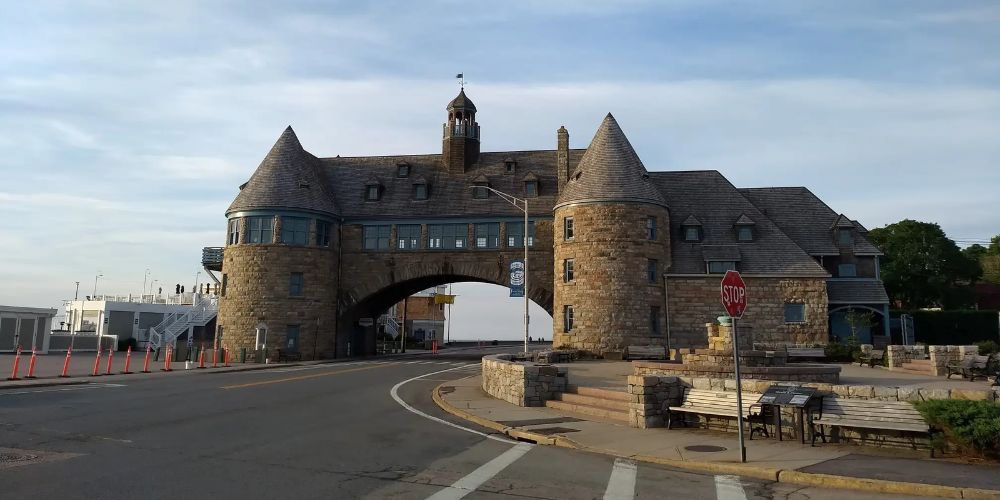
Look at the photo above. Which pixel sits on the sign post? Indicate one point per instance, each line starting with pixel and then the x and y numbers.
pixel 734 299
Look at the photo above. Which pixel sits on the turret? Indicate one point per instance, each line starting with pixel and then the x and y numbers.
pixel 460 148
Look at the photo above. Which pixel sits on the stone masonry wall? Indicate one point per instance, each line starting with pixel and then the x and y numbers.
pixel 611 294
pixel 521 383
pixel 694 301
pixel 943 355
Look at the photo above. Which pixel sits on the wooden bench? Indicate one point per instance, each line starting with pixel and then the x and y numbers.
pixel 645 352
pixel 873 356
pixel 971 367
pixel 806 352
pixel 867 414
pixel 284 355
pixel 718 404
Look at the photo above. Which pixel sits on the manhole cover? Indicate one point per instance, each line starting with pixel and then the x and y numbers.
pixel 704 448
pixel 6 458
pixel 546 431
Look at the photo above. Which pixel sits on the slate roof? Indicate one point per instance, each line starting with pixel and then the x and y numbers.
pixel 449 195
pixel 717 204
pixel 461 101
pixel 610 170
pixel 286 179
pixel 806 219
pixel 855 291
pixel 720 253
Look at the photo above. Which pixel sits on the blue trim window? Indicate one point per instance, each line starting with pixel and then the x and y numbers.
pixel 408 236
pixel 721 266
pixel 845 236
pixel 294 230
pixel 692 233
pixel 847 271
pixel 795 313
pixel 377 237
pixel 447 236
pixel 744 233
pixel 567 318
pixel 323 233
pixel 488 235
pixel 515 234
pixel 296 283
pixel 420 191
pixel 651 268
pixel 568 229
pixel 233 238
pixel 531 189
pixel 260 229
pixel 651 228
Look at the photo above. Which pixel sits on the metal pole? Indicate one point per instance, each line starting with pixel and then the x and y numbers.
pixel 526 317
pixel 449 315
pixel 739 392
pixel 402 329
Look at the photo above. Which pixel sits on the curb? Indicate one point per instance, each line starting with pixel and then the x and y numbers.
pixel 53 383
pixel 764 473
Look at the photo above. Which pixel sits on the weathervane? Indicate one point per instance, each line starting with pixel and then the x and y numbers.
pixel 461 80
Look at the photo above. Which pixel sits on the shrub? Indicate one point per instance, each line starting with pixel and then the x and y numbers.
pixel 968 426
pixel 843 351
pixel 988 347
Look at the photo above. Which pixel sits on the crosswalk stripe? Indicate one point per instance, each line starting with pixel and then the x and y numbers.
pixel 621 485
pixel 459 489
pixel 729 488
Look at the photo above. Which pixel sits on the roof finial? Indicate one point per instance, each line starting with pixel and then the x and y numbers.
pixel 461 80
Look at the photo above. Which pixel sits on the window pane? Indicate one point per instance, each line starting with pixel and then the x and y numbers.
pixel 568 228
pixel 420 191
pixel 795 313
pixel 651 266
pixel 568 270
pixel 845 236
pixel 720 267
pixel 746 233
pixel 295 283
pixel 567 318
pixel 294 230
pixel 847 271
pixel 691 234
pixel 531 188
pixel 261 229
pixel 650 228
pixel 480 191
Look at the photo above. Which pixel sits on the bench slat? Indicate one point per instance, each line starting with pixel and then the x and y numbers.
pixel 867 424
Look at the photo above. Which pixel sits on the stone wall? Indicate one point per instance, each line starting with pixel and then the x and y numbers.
pixel 611 294
pixel 521 383
pixel 791 373
pixel 896 355
pixel 694 301
pixel 943 355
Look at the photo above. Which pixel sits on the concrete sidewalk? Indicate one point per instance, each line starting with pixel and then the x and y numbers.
pixel 828 465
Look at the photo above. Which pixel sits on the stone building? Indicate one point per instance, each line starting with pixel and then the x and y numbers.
pixel 318 247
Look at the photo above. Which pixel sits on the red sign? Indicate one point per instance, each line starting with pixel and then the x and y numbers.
pixel 734 294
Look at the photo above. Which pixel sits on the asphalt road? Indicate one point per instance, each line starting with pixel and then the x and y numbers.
pixel 322 431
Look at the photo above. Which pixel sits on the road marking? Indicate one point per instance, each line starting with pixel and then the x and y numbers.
pixel 459 489
pixel 301 377
pixel 729 488
pixel 621 485
pixel 394 392
pixel 81 387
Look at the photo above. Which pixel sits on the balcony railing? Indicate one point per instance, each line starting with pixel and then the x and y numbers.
pixel 211 258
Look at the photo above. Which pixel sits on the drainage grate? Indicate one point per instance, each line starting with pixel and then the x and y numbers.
pixel 704 448
pixel 547 431
pixel 8 458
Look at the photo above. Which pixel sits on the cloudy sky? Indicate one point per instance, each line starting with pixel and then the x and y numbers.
pixel 126 127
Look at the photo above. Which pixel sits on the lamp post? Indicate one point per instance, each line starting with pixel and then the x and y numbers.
pixel 145 278
pixel 513 200
pixel 99 275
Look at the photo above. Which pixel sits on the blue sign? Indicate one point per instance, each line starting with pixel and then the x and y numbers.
pixel 517 278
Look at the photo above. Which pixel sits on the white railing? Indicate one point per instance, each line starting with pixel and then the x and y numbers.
pixel 185 298
pixel 391 326
pixel 174 324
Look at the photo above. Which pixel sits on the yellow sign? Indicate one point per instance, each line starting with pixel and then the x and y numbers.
pixel 444 299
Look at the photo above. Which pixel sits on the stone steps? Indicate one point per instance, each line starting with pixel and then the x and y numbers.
pixel 598 392
pixel 917 367
pixel 579 399
pixel 597 402
pixel 590 411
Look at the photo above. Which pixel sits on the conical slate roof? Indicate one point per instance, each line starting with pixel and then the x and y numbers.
pixel 286 179
pixel 462 101
pixel 610 171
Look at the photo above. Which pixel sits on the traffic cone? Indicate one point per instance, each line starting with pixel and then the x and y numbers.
pixel 111 353
pixel 17 365
pixel 128 360
pixel 65 370
pixel 31 365
pixel 97 362
pixel 145 364
pixel 166 360
pixel 201 358
pixel 225 352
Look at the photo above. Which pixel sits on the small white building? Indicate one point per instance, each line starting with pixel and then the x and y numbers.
pixel 133 316
pixel 28 327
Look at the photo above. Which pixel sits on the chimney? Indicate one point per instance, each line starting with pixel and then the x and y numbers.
pixel 562 156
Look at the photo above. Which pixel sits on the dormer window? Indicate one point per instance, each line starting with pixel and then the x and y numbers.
pixel 480 189
pixel 403 170
pixel 420 191
pixel 530 185
pixel 509 165
pixel 845 236
pixel 744 228
pixel 373 190
pixel 691 229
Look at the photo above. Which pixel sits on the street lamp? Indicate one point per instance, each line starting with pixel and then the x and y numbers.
pixel 513 200
pixel 99 275
pixel 145 278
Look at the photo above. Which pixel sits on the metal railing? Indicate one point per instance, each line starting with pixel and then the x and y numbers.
pixel 174 324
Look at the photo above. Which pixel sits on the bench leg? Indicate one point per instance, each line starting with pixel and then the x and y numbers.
pixel 670 420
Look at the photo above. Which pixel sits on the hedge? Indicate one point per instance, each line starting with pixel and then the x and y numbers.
pixel 967 426
pixel 954 327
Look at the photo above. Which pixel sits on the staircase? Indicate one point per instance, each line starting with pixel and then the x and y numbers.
pixel 917 367
pixel 391 325
pixel 174 324
pixel 607 404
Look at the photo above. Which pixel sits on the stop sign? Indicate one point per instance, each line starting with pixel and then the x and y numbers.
pixel 734 294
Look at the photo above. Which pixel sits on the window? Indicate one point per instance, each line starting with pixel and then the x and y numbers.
pixel 650 228
pixel 654 320
pixel 567 318
pixel 847 271
pixel 488 235
pixel 420 191
pixel 744 233
pixel 531 189
pixel 261 229
pixel 323 233
pixel 480 192
pixel 515 234
pixel 446 236
pixel 692 233
pixel 292 338
pixel 509 165
pixel 651 273
pixel 568 228
pixel 403 170
pixel 376 237
pixel 294 230
pixel 795 313
pixel 295 283
pixel 234 232
pixel 567 270
pixel 721 266
pixel 408 237
pixel 225 281
pixel 372 192
pixel 845 236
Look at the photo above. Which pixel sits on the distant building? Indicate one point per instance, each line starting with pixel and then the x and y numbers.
pixel 423 318
pixel 28 327
pixel 141 317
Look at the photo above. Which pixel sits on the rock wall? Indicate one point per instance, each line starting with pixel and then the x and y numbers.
pixel 943 355
pixel 521 383
pixel 724 370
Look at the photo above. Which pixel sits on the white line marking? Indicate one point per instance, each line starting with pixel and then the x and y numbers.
pixel 81 387
pixel 412 362
pixel 459 489
pixel 621 485
pixel 729 488
pixel 394 392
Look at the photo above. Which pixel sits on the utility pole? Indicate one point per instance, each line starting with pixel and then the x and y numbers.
pixel 99 276
pixel 402 329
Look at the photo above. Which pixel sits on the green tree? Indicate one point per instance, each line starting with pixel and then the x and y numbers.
pixel 988 259
pixel 922 267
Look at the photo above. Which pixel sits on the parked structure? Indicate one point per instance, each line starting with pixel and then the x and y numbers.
pixel 27 327
pixel 620 255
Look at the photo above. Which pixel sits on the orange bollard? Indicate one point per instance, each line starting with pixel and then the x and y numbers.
pixel 145 364
pixel 17 365
pixel 65 372
pixel 97 362
pixel 434 347
pixel 111 354
pixel 31 365
pixel 128 360
pixel 201 358
pixel 166 360
pixel 215 358
pixel 225 352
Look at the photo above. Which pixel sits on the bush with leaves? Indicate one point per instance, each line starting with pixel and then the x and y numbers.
pixel 848 350
pixel 968 426
pixel 988 347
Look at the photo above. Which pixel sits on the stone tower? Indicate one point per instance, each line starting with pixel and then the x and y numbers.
pixel 280 268
pixel 460 148
pixel 612 246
